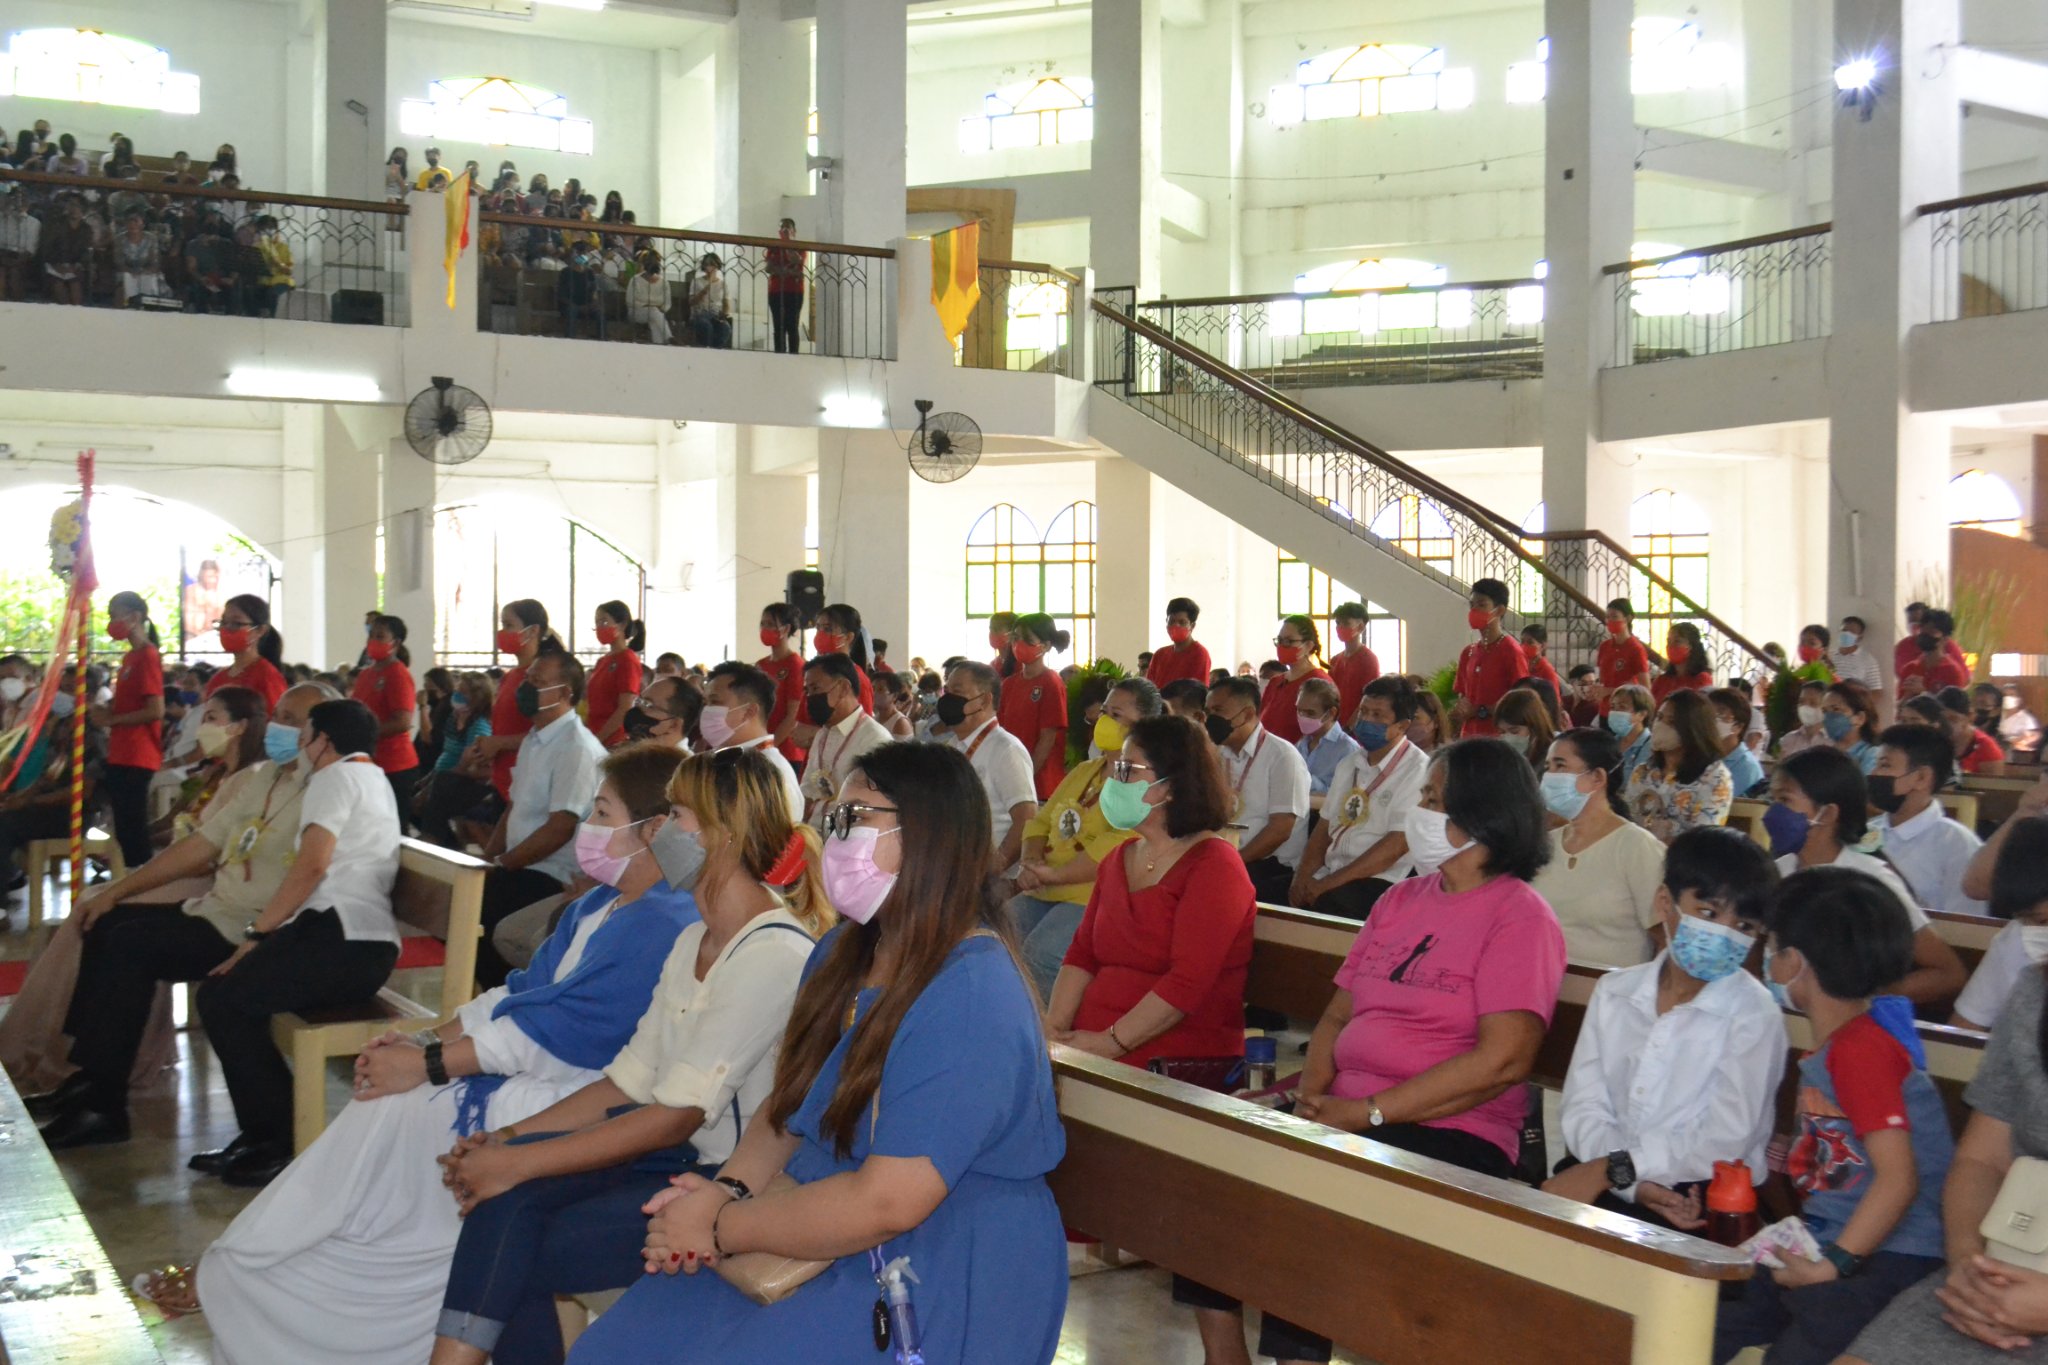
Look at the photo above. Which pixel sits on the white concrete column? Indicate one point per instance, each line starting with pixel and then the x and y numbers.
pixel 1888 467
pixel 1126 561
pixel 862 53
pixel 1588 222
pixel 301 616
pixel 1123 158
pixel 410 489
pixel 352 67
pixel 348 514
pixel 864 527
pixel 766 528
pixel 763 97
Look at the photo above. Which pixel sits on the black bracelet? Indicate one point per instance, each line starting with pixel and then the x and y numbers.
pixel 714 1226
pixel 436 1071
pixel 734 1186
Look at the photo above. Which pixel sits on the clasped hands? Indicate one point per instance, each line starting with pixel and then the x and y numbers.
pixel 679 1225
pixel 390 1064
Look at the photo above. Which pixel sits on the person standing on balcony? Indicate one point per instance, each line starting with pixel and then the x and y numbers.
pixel 1353 666
pixel 1298 646
pixel 1623 660
pixel 786 288
pixel 1486 670
pixel 20 231
pixel 433 172
pixel 1686 666
pixel 1185 657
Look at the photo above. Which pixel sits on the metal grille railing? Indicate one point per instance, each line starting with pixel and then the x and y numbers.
pixel 815 298
pixel 200 250
pixel 1990 253
pixel 1732 296
pixel 1488 329
pixel 1024 320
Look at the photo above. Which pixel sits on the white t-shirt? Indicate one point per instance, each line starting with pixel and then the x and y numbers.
pixel 1269 778
pixel 1860 667
pixel 1874 867
pixel 1357 820
pixel 352 801
pixel 1983 1000
pixel 1931 852
pixel 1003 764
pixel 556 771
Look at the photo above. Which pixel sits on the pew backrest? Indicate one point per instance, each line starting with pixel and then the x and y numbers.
pixel 441 893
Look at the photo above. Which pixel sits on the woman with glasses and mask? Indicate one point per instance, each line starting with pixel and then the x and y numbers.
pixel 1683 784
pixel 343 1258
pixel 913 1106
pixel 1298 647
pixel 258 650
pixel 552 1204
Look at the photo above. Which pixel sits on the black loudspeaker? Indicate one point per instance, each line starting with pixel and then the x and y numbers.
pixel 361 306
pixel 806 592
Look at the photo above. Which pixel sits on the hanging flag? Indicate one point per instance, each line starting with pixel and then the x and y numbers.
pixel 956 276
pixel 456 199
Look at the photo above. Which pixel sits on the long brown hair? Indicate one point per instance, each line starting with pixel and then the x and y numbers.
pixel 736 793
pixel 943 894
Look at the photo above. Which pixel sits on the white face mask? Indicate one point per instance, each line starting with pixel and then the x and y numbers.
pixel 1724 728
pixel 2034 938
pixel 1810 717
pixel 1429 840
pixel 12 689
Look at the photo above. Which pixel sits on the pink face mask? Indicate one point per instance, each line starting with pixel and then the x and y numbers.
pixel 594 855
pixel 1309 724
pixel 711 723
pixel 854 885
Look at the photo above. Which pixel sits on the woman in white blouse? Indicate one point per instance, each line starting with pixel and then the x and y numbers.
pixel 343 1257
pixel 1603 873
pixel 556 1203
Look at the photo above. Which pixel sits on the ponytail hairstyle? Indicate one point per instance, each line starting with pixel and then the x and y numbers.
pixel 1305 626
pixel 1042 628
pixel 132 601
pixel 1600 751
pixel 736 795
pixel 622 616
pixel 844 620
pixel 532 613
pixel 269 645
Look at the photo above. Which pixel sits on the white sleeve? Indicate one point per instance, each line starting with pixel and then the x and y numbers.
pixel 1983 1000
pixel 1013 779
pixel 1741 1092
pixel 720 1042
pixel 327 802
pixel 477 1013
pixel 1588 1121
pixel 1289 785
pixel 504 1049
pixel 573 785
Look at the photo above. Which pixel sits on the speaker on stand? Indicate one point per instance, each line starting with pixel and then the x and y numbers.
pixel 805 590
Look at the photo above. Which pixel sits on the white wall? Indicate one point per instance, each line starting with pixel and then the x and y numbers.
pixel 952 67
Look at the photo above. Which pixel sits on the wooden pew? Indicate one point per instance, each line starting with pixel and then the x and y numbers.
pixel 1969 935
pixel 1998 797
pixel 92 1319
pixel 1401 1258
pixel 1747 815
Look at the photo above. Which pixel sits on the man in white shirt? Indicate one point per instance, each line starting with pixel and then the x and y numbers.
pixel 845 732
pixel 738 699
pixel 326 938
pixel 667 711
pixel 1360 846
pixel 532 852
pixel 1851 661
pixel 1930 851
pixel 967 721
pixel 1270 783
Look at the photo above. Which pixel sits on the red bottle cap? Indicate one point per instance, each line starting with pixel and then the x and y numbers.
pixel 1731 1190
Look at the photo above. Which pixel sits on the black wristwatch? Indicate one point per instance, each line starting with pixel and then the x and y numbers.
pixel 737 1188
pixel 1621 1170
pixel 437 1071
pixel 1846 1263
pixel 254 935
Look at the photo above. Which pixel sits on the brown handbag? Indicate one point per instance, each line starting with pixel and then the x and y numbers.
pixel 764 1276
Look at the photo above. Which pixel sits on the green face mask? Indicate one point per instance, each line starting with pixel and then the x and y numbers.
pixel 1123 803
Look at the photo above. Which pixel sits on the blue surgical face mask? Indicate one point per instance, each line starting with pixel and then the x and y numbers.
pixel 1781 991
pixel 1787 828
pixel 1621 722
pixel 1707 951
pixel 1371 735
pixel 1837 725
pixel 1846 639
pixel 62 704
pixel 1561 795
pixel 280 742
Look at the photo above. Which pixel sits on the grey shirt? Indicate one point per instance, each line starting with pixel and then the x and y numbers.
pixel 2011 1085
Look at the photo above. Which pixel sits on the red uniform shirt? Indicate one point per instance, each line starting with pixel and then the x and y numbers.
pixel 1908 651
pixel 1664 684
pixel 387 689
pixel 1916 677
pixel 1539 667
pixel 1171 663
pixel 1621 660
pixel 1983 749
pixel 615 675
pixel 1276 712
pixel 788 675
pixel 1027 708
pixel 1485 673
pixel 506 721
pixel 141 677
pixel 260 677
pixel 1351 672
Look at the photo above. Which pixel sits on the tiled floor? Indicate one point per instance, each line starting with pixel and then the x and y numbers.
pixel 148 1210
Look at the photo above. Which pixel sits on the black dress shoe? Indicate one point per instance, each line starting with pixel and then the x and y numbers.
pixel 69 1095
pixel 258 1165
pixel 85 1128
pixel 216 1161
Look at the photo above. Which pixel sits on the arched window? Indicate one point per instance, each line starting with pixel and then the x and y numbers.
pixel 1528 587
pixel 1069 554
pixel 489 553
pixel 1665 55
pixel 495 112
pixel 1305 590
pixel 1983 502
pixel 1671 535
pixel 86 66
pixel 1040 113
pixel 1005 570
pixel 1417 527
pixel 1367 80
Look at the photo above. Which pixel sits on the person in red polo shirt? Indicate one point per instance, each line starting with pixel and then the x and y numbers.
pixel 385 685
pixel 785 667
pixel 1185 657
pixel 1353 666
pixel 1933 666
pixel 1908 650
pixel 613 688
pixel 1033 703
pixel 133 722
pixel 1686 665
pixel 1298 646
pixel 1486 670
pixel 1535 640
pixel 1623 660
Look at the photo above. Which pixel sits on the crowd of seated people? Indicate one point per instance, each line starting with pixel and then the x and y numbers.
pixel 671 1019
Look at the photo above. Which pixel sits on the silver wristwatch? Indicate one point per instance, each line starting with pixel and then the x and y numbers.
pixel 1373 1115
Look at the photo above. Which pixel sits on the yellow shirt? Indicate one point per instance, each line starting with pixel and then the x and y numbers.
pixel 1071 823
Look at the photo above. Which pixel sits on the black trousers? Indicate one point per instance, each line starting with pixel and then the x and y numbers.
pixel 507 890
pixel 1272 880
pixel 401 792
pixel 1353 900
pixel 129 950
pixel 445 798
pixel 20 828
pixel 307 965
pixel 785 310
pixel 127 791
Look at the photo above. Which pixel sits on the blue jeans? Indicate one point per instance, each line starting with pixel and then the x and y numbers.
pixel 1044 928
pixel 566 1234
pixel 1812 1326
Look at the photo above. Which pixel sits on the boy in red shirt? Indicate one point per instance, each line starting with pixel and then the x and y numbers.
pixel 1535 639
pixel 1932 666
pixel 1907 651
pixel 1354 665
pixel 783 665
pixel 1622 658
pixel 1488 669
pixel 1184 657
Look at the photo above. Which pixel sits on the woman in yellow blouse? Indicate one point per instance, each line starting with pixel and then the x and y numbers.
pixel 1068 839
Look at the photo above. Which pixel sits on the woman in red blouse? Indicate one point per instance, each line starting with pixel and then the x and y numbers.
pixel 246 633
pixel 613 687
pixel 1687 666
pixel 1157 968
pixel 1298 646
pixel 133 722
pixel 1033 706
pixel 385 685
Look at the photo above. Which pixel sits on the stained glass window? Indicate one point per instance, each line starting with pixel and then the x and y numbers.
pixel 1369 80
pixel 1040 113
pixel 496 112
pixel 1671 535
pixel 87 66
pixel 1665 55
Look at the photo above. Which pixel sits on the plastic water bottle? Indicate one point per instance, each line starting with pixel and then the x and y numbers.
pixel 1261 1061
pixel 1731 1205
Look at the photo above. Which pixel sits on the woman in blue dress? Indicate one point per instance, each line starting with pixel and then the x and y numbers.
pixel 913 1103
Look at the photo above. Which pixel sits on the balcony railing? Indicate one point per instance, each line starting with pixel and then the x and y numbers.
pixel 200 250
pixel 1990 253
pixel 1601 569
pixel 1732 296
pixel 807 298
pixel 1023 320
pixel 1487 329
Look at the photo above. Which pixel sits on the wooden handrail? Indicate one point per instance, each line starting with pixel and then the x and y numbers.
pixel 1285 294
pixel 680 234
pixel 1490 522
pixel 1692 608
pixel 1039 266
pixel 107 186
pixel 1969 201
pixel 1719 248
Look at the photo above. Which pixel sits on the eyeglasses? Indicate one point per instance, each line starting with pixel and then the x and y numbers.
pixel 841 819
pixel 1120 770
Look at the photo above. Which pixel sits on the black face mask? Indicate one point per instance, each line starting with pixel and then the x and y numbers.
pixel 638 724
pixel 1219 729
pixel 951 709
pixel 1927 641
pixel 527 699
pixel 1884 792
pixel 818 708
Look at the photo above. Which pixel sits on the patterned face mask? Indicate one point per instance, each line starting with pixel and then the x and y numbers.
pixel 1707 951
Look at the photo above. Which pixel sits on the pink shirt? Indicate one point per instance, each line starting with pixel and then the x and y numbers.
pixel 1426 966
